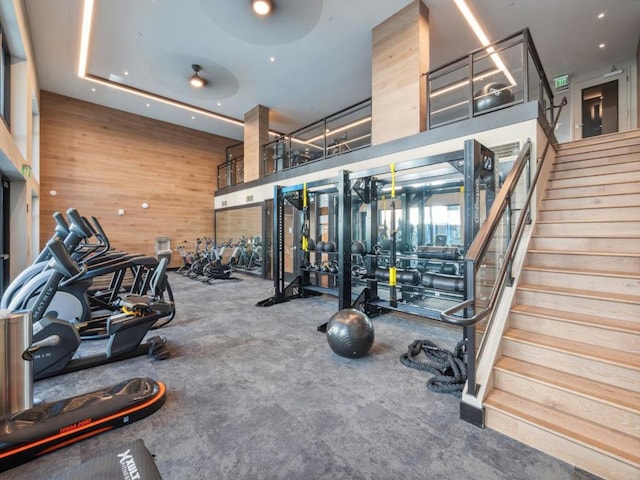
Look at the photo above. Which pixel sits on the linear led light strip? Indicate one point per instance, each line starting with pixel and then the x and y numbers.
pixel 484 40
pixel 462 83
pixel 465 102
pixel 85 39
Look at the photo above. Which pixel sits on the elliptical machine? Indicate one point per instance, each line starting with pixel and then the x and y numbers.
pixel 55 341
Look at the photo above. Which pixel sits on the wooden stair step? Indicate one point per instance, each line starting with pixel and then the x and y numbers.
pixel 564 163
pixel 595 213
pixel 601 141
pixel 554 191
pixel 565 156
pixel 627 263
pixel 611 181
pixel 598 149
pixel 585 279
pixel 598 227
pixel 620 243
pixel 601 403
pixel 601 331
pixel 623 200
pixel 624 306
pixel 579 349
pixel 603 169
pixel 603 322
pixel 589 446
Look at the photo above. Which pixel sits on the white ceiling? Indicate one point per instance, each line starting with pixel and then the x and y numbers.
pixel 322 50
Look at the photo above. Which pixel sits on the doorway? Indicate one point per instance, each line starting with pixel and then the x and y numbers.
pixel 600 109
pixel 614 88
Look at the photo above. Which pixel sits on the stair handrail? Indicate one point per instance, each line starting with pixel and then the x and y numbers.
pixel 482 240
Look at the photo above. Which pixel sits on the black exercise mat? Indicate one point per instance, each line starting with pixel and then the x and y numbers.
pixel 131 461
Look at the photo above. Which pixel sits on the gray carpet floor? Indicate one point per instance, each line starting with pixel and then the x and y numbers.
pixel 256 393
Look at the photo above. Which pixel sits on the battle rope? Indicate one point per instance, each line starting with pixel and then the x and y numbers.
pixel 449 369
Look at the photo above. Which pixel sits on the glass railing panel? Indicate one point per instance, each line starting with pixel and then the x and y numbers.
pixel 276 155
pixel 222 177
pixel 239 170
pixel 497 78
pixel 449 94
pixel 307 144
pixel 349 130
pixel 493 258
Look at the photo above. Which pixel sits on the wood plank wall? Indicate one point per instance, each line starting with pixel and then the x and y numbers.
pixel 100 160
pixel 400 55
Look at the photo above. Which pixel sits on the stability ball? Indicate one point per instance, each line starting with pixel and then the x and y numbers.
pixel 350 333
pixel 492 95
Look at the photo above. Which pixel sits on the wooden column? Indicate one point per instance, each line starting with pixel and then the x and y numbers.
pixel 400 55
pixel 256 134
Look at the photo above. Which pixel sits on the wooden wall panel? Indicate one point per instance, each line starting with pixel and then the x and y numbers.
pixel 256 134
pixel 100 160
pixel 400 55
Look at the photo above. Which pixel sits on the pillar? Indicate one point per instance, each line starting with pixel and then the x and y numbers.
pixel 256 134
pixel 400 57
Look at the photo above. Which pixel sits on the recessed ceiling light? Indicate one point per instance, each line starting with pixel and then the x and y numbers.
pixel 126 73
pixel 601 15
pixel 601 45
pixel 272 59
pixel 93 89
pixel 262 7
pixel 219 104
pixel 148 105
pixel 193 117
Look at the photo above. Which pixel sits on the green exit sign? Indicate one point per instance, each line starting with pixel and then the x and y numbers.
pixel 561 82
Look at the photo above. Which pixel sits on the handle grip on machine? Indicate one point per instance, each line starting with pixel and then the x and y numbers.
pixel 62 261
pixel 79 223
pixel 62 227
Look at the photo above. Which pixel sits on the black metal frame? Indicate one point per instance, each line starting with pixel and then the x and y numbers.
pixel 478 168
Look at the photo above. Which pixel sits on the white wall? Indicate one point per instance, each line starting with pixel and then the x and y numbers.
pixel 16 144
pixel 628 115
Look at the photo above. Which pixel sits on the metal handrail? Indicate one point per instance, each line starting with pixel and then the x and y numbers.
pixel 484 236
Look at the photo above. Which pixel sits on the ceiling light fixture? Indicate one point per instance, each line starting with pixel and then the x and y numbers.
pixel 262 7
pixel 601 15
pixel 601 45
pixel 83 55
pixel 484 40
pixel 196 80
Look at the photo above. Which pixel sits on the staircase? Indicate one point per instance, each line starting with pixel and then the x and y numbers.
pixel 568 382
